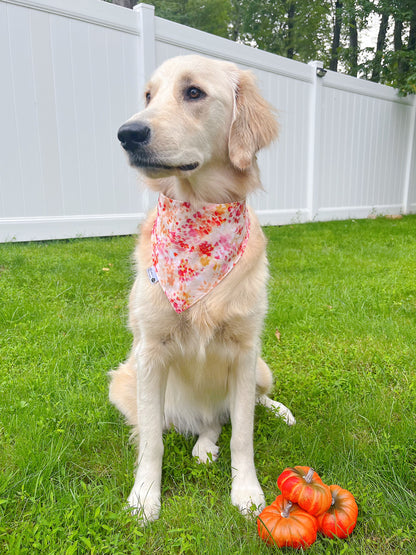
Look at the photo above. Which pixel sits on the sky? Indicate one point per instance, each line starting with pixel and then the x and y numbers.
pixel 368 36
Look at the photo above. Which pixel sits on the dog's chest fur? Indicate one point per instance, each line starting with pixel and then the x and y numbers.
pixel 201 344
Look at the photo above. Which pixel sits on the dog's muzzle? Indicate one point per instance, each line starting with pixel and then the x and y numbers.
pixel 135 138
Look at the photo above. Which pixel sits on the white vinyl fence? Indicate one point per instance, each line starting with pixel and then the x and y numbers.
pixel 72 71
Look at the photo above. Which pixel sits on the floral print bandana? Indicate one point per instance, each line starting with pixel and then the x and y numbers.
pixel 192 251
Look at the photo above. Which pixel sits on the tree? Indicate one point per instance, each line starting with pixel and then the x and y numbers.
pixel 380 47
pixel 389 61
pixel 211 16
pixel 304 30
pixel 336 38
pixel 296 29
pixel 353 48
pixel 397 66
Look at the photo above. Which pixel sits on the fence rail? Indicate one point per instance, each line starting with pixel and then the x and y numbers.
pixel 73 72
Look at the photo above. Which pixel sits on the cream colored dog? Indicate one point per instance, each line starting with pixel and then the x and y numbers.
pixel 196 140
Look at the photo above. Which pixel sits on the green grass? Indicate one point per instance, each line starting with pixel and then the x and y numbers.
pixel 343 297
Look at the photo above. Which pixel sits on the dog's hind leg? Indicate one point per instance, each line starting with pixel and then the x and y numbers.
pixel 264 382
pixel 279 409
pixel 123 389
pixel 206 448
pixel 264 378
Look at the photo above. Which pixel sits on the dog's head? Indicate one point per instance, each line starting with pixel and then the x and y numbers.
pixel 198 112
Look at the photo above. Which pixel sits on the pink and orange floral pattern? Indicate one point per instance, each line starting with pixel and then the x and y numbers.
pixel 193 250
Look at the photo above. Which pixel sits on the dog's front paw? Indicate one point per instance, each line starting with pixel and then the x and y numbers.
pixel 205 450
pixel 146 507
pixel 249 499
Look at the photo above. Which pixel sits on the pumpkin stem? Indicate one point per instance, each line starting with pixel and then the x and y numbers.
pixel 309 475
pixel 286 511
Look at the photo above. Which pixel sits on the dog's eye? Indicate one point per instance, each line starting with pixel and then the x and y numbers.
pixel 193 93
pixel 148 96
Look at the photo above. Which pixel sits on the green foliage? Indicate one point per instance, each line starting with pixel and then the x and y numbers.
pixel 343 297
pixel 391 60
pixel 400 71
pixel 210 15
pixel 308 30
pixel 291 28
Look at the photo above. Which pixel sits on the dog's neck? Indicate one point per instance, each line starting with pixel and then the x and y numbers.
pixel 211 184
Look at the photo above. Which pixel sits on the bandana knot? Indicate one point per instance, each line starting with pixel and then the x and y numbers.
pixel 192 251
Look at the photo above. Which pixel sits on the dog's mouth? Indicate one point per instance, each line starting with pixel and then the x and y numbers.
pixel 156 165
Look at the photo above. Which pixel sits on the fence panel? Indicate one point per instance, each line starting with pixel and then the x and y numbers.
pixel 363 149
pixel 73 72
pixel 410 195
pixel 70 81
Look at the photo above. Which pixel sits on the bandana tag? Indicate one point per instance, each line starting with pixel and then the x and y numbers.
pixel 151 272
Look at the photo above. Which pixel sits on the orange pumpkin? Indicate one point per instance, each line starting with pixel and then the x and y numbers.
pixel 285 524
pixel 340 519
pixel 302 485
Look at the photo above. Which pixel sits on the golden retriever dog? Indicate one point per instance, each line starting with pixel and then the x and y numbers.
pixel 196 366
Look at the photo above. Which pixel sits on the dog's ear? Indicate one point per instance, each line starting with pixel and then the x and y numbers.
pixel 254 125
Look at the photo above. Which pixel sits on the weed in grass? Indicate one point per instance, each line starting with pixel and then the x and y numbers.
pixel 343 297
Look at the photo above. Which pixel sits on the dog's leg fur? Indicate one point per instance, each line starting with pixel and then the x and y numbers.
pixel 144 498
pixel 123 394
pixel 246 492
pixel 131 388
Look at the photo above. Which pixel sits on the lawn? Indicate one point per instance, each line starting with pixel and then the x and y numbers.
pixel 342 296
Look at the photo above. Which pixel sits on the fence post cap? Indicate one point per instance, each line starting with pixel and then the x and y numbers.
pixel 143 6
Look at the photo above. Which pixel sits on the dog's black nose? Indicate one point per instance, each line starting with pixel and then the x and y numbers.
pixel 134 134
